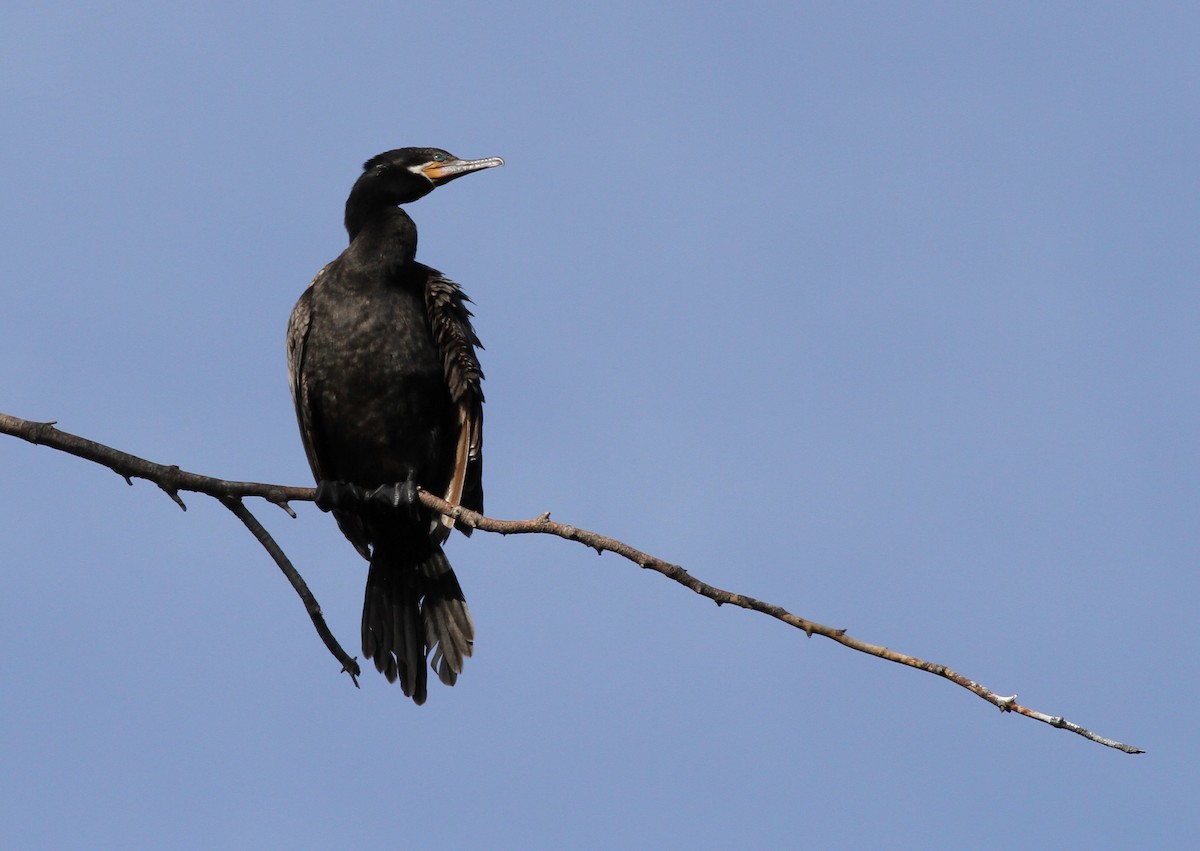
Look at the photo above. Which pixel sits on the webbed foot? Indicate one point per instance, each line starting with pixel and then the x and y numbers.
pixel 401 496
pixel 331 495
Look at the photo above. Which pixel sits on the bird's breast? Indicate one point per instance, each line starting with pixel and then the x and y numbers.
pixel 375 376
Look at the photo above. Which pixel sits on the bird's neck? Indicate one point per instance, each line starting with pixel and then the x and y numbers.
pixel 388 236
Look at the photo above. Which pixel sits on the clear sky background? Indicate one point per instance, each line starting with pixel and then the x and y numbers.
pixel 885 313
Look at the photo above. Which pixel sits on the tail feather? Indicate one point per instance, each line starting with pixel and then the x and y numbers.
pixel 449 630
pixel 414 606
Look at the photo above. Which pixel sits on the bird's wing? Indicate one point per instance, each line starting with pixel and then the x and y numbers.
pixel 306 413
pixel 450 322
pixel 297 336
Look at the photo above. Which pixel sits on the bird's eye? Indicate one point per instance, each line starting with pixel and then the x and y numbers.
pixel 438 158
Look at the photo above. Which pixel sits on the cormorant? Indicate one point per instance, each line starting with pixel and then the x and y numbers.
pixel 386 382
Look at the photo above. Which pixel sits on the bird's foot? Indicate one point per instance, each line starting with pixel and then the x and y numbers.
pixel 331 495
pixel 401 496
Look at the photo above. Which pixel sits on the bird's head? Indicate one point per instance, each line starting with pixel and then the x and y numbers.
pixel 406 174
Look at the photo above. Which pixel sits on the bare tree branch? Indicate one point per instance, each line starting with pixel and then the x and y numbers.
pixel 173 480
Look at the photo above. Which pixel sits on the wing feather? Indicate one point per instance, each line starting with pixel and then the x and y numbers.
pixel 450 322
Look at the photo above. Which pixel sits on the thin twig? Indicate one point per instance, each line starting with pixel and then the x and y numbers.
pixel 349 664
pixel 172 480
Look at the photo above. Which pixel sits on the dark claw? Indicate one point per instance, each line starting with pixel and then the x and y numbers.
pixel 388 495
pixel 331 495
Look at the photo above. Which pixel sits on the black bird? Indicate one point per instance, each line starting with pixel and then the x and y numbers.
pixel 386 381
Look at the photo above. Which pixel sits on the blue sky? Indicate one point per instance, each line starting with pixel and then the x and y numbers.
pixel 882 312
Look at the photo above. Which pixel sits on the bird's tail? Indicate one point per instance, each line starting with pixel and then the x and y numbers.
pixel 414 606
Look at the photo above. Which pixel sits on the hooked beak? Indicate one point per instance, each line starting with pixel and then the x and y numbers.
pixel 444 172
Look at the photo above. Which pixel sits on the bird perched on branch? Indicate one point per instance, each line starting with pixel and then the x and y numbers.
pixel 386 381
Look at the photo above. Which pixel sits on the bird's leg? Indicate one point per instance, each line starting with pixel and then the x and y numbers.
pixel 401 496
pixel 331 495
